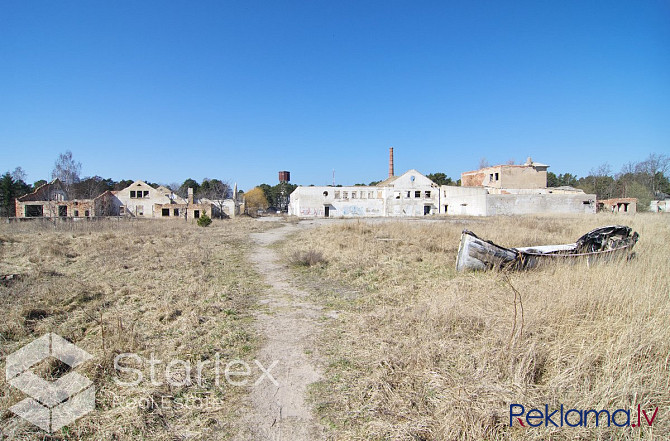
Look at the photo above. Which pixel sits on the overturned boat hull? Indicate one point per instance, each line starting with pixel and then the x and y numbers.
pixel 604 243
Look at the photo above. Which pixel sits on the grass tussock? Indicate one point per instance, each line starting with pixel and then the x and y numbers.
pixel 157 289
pixel 421 352
pixel 307 258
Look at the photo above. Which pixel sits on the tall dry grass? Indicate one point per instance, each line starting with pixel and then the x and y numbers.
pixel 171 289
pixel 421 352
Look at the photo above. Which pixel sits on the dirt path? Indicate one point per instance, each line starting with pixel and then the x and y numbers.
pixel 289 326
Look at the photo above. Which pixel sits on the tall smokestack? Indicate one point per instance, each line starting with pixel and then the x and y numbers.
pixel 391 162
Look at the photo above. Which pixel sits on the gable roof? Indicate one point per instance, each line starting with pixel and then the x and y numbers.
pixel 390 182
pixel 42 188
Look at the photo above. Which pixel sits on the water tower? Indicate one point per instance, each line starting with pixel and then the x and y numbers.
pixel 284 178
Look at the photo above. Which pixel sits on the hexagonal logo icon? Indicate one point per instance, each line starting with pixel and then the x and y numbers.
pixel 50 404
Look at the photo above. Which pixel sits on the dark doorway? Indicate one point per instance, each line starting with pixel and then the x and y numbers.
pixel 426 210
pixel 62 210
pixel 165 212
pixel 326 212
pixel 196 214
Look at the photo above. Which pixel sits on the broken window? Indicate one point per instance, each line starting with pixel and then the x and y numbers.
pixel 139 210
pixel 325 194
pixel 353 195
pixel 497 176
pixel 122 210
pixel 408 194
pixel 34 211
pixel 417 194
pixel 146 193
pixel 62 210
pixel 165 212
pixel 76 213
pixel 86 213
pixel 371 195
pixel 345 195
pixel 396 194
pixel 196 214
pixel 491 177
pixel 427 194
pixel 175 212
pixel 132 193
pixel 337 194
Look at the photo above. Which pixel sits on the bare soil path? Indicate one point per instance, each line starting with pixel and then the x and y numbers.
pixel 289 324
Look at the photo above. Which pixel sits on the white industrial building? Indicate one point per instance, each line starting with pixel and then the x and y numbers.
pixel 498 190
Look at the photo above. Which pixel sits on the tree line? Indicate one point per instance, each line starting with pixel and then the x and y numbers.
pixel 646 180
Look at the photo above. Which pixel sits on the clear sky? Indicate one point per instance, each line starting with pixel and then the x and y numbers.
pixel 238 90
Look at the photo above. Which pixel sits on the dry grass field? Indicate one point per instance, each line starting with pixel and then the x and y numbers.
pixel 420 352
pixel 170 289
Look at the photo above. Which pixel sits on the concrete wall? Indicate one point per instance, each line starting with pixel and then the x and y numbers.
pixel 463 201
pixel 510 204
pixel 660 206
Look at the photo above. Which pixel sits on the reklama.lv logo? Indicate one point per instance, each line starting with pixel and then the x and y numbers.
pixel 579 417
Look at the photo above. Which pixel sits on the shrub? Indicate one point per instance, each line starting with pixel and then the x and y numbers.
pixel 307 258
pixel 204 221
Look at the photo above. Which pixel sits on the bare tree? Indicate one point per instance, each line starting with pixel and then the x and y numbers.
pixel 483 163
pixel 216 191
pixel 19 174
pixel 67 171
pixel 654 165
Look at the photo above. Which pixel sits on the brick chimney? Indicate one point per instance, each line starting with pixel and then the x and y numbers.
pixel 190 195
pixel 391 162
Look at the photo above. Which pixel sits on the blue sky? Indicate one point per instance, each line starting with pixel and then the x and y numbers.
pixel 168 90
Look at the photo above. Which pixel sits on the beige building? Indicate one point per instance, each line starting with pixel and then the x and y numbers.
pixel 618 205
pixel 531 175
pixel 138 200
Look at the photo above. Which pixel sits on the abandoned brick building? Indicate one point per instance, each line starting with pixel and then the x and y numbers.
pixel 138 200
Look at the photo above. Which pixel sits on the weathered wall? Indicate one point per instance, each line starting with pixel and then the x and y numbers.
pixel 77 208
pixel 660 206
pixel 142 206
pixel 183 211
pixel 618 205
pixel 463 201
pixel 519 176
pixel 341 202
pixel 509 204
pixel 506 176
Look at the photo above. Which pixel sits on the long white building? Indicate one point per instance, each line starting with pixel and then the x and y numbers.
pixel 499 190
